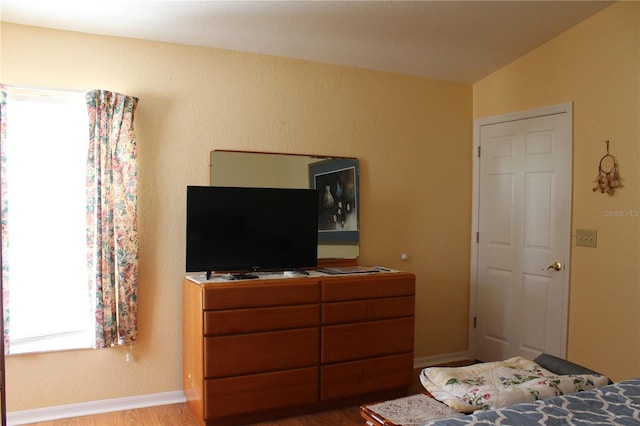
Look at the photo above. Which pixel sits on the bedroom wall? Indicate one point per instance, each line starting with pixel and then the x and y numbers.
pixel 595 65
pixel 412 136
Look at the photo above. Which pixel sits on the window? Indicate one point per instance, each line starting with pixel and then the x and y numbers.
pixel 46 152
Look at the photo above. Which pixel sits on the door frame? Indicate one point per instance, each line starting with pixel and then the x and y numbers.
pixel 503 118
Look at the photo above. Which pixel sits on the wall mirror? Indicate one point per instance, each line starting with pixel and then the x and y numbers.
pixel 336 178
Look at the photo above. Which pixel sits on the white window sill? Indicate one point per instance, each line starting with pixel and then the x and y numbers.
pixel 59 342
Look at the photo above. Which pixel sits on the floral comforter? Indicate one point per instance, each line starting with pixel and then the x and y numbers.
pixel 491 385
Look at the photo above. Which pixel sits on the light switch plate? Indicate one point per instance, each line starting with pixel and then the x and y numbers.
pixel 586 237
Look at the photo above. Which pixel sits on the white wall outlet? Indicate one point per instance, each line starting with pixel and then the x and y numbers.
pixel 586 237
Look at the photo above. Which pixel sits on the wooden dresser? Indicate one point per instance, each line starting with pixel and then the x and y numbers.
pixel 275 347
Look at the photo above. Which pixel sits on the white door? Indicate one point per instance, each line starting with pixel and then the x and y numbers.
pixel 523 235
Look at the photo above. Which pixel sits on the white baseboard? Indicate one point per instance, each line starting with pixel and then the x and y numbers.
pixel 441 359
pixel 93 407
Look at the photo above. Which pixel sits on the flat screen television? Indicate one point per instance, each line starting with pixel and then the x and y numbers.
pixel 250 229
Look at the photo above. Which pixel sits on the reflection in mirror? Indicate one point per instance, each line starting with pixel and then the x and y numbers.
pixel 336 179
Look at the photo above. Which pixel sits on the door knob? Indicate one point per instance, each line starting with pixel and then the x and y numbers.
pixel 556 266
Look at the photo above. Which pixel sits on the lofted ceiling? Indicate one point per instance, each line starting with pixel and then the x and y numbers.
pixel 452 40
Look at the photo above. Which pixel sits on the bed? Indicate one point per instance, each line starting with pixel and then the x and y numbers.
pixel 615 404
pixel 545 391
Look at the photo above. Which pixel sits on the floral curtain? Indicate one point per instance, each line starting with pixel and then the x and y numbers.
pixel 112 237
pixel 4 251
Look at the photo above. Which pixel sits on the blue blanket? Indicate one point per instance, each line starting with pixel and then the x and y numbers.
pixel 616 404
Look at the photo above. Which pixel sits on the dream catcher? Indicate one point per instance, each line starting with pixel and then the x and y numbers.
pixel 608 178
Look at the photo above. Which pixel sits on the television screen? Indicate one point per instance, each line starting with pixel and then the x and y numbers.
pixel 251 229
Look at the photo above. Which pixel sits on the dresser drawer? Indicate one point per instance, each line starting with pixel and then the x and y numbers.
pixel 366 376
pixel 367 310
pixel 248 294
pixel 236 321
pixel 366 339
pixel 371 287
pixel 259 392
pixel 259 352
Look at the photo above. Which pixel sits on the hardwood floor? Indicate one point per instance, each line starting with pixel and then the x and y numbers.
pixel 179 415
pixel 165 415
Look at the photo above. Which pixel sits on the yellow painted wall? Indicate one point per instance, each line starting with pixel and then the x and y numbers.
pixel 412 136
pixel 595 65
